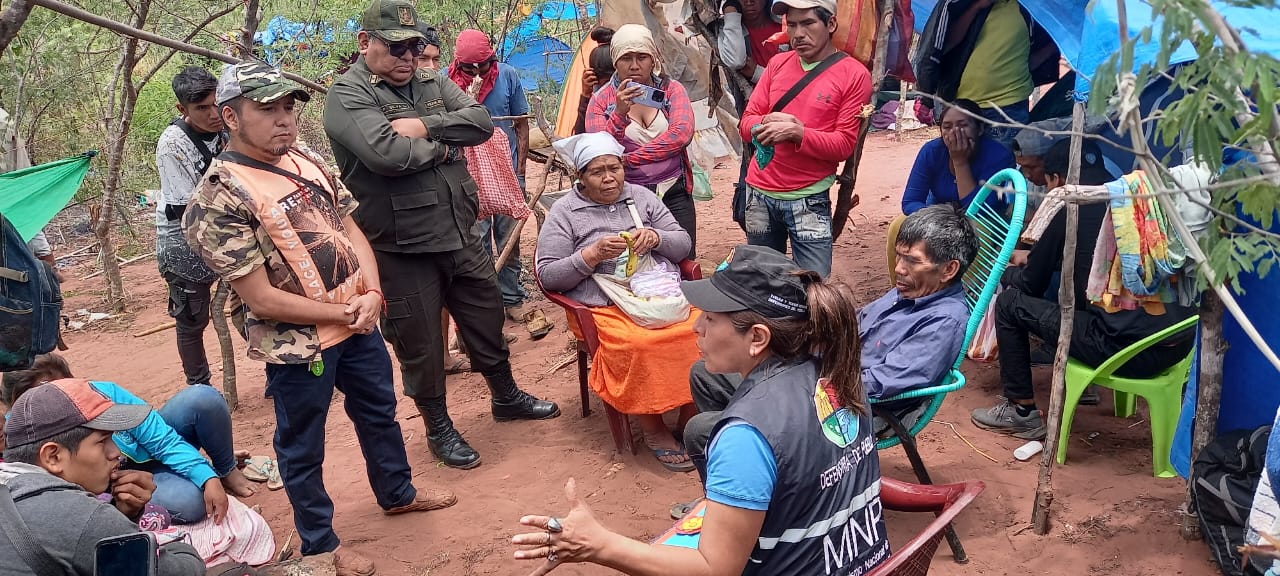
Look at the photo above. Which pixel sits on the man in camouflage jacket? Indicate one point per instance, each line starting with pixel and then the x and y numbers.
pixel 272 220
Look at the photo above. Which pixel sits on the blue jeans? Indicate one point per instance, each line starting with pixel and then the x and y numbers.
pixel 1019 113
pixel 200 415
pixel 806 222
pixel 494 232
pixel 360 368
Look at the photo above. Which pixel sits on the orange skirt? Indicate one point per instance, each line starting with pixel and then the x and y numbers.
pixel 642 371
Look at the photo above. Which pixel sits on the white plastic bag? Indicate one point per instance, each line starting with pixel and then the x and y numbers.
pixel 652 312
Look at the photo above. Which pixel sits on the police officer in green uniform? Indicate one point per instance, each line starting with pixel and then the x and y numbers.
pixel 397 133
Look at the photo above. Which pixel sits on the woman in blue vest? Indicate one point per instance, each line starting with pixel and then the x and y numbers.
pixel 793 480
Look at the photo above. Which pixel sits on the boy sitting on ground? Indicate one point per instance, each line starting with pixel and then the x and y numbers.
pixel 60 455
pixel 166 443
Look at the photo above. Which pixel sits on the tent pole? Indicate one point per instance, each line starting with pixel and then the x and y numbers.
pixel 1067 301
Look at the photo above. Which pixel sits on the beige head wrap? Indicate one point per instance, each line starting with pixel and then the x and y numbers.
pixel 632 38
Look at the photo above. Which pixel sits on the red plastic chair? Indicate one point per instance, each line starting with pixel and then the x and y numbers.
pixel 580 321
pixel 945 500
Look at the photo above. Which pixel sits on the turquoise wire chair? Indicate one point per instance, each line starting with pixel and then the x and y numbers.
pixel 997 239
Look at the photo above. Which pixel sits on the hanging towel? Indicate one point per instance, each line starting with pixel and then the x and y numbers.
pixel 1148 254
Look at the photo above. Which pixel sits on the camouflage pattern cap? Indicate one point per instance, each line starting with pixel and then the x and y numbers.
pixel 258 82
pixel 392 20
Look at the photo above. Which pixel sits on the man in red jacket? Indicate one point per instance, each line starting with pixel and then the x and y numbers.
pixel 790 197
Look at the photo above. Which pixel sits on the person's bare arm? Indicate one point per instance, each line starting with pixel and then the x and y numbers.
pixel 728 536
pixel 267 301
pixel 522 144
pixel 366 308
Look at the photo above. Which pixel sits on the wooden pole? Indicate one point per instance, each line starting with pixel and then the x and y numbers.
pixel 1208 396
pixel 513 238
pixel 229 389
pixel 1067 302
pixel 85 16
pixel 849 175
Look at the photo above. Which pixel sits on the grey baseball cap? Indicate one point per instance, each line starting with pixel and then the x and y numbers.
pixel 258 82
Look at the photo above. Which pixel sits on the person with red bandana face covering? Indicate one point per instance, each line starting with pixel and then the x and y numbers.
pixel 495 84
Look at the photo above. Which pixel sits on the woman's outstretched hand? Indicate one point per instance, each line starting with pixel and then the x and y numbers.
pixel 580 538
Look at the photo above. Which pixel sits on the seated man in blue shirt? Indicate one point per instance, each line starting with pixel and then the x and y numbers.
pixel 167 443
pixel 910 336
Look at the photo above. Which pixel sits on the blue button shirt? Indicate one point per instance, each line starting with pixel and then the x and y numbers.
pixel 931 181
pixel 909 344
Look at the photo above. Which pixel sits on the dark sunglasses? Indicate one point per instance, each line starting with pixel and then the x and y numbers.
pixel 397 49
pixel 474 69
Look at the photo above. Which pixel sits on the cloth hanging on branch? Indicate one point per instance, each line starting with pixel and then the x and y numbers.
pixel 31 197
pixel 1138 256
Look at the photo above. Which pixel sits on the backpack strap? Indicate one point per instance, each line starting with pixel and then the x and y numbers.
pixel 799 87
pixel 19 535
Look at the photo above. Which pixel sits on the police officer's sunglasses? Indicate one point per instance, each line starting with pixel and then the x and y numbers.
pixel 397 49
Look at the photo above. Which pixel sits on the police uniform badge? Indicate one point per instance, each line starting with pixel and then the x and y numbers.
pixel 406 16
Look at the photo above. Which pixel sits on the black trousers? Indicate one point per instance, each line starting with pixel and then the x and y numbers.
pixel 1019 314
pixel 679 200
pixel 189 308
pixel 417 286
pixel 711 394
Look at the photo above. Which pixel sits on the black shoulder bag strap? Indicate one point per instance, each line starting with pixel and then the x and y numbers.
pixel 19 535
pixel 205 153
pixel 804 82
pixel 313 186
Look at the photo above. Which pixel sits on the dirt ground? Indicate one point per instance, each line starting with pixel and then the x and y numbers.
pixel 1110 516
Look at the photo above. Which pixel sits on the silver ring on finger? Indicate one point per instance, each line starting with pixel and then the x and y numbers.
pixel 552 557
pixel 548 538
pixel 554 525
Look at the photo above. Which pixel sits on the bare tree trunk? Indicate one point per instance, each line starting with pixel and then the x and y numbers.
pixel 1208 394
pixel 1066 299
pixel 11 21
pixel 119 122
pixel 218 306
pixel 252 18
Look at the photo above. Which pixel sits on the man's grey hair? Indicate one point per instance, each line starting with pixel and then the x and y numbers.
pixel 946 232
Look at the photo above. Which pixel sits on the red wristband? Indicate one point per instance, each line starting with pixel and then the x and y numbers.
pixel 381 296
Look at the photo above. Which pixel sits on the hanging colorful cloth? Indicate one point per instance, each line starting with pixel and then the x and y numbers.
pixel 1148 254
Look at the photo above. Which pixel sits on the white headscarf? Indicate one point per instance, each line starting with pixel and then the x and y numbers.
pixel 583 148
pixel 633 38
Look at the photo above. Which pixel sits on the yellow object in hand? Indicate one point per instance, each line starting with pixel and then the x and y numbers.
pixel 633 260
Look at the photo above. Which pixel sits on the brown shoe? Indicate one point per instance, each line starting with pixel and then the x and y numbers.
pixel 426 500
pixel 515 313
pixel 537 324
pixel 348 563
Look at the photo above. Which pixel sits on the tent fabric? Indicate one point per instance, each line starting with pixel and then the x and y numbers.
pixel 31 197
pixel 541 59
pixel 1087 34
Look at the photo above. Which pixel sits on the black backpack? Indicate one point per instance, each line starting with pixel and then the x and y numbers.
pixel 30 303
pixel 1223 480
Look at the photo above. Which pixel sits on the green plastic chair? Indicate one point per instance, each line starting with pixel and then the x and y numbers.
pixel 1162 392
pixel 997 239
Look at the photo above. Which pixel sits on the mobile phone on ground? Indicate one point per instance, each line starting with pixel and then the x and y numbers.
pixel 127 555
pixel 651 97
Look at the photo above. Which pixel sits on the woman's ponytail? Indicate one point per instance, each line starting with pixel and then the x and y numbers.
pixel 833 326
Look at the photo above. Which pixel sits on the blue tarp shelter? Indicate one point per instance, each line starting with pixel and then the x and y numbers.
pixel 1088 34
pixel 541 59
pixel 531 28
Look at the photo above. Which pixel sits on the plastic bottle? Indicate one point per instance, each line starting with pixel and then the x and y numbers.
pixel 1028 451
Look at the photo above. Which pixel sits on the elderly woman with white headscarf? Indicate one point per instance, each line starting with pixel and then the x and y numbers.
pixel 655 132
pixel 638 371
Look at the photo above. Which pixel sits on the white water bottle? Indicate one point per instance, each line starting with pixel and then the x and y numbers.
pixel 1028 451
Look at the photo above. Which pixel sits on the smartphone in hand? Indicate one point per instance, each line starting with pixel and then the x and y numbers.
pixel 127 555
pixel 651 97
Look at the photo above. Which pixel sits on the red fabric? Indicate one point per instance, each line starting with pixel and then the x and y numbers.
pixel 473 47
pixel 603 117
pixel 760 51
pixel 490 166
pixel 830 108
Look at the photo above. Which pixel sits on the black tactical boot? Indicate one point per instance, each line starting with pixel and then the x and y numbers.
pixel 512 403
pixel 445 441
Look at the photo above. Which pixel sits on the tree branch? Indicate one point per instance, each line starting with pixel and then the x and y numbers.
pixel 84 16
pixel 198 28
pixel 12 19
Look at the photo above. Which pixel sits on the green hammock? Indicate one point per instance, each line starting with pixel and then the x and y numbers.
pixel 31 197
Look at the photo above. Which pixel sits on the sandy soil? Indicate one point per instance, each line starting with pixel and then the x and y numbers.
pixel 1111 517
